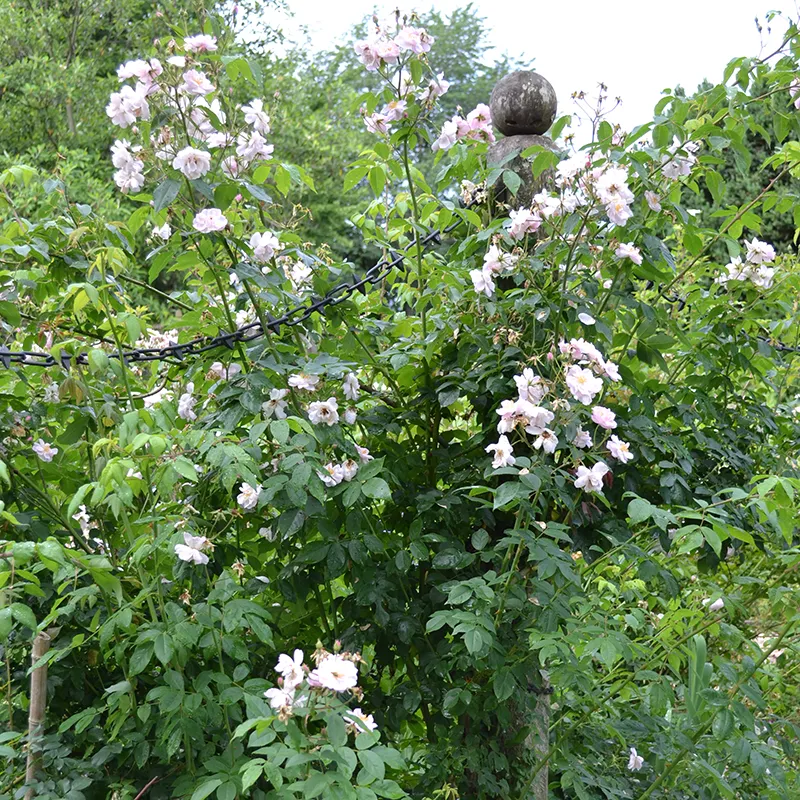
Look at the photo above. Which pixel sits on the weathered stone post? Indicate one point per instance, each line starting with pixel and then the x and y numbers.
pixel 36 710
pixel 523 106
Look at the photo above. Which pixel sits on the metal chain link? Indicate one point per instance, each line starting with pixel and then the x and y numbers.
pixel 247 333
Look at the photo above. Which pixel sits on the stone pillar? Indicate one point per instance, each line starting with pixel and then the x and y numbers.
pixel 523 106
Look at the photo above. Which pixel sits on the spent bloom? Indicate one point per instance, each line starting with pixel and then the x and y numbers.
pixel 546 440
pixel 363 454
pixel 653 201
pixel 128 105
pixel 264 245
pixel 252 146
pixel 45 450
pixel 448 136
pixel 280 698
pixel 482 281
pixel 436 88
pixel 248 496
pixel 530 386
pixel 524 220
pixel 582 439
pixel 144 71
pixel 759 252
pixel 503 453
pixel 192 549
pixel 349 469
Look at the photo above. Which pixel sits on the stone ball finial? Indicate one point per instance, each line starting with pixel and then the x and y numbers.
pixel 523 103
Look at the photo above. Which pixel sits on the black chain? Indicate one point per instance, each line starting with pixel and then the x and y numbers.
pixel 177 353
pixel 247 333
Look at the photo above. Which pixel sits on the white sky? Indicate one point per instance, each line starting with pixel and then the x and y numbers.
pixel 636 47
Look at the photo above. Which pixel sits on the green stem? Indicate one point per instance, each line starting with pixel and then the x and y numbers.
pixel 163 295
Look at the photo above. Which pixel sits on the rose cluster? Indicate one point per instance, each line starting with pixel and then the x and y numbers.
pixel 299 686
pixel 754 269
pixel 477 125
pixel 388 43
pixel 540 423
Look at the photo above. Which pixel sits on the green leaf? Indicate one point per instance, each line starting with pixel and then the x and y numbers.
pixel 474 641
pixel 337 732
pixel 377 489
pixel 184 467
pixel 279 428
pixel 508 492
pixel 512 181
pixel 23 615
pixel 504 684
pixel 387 788
pixel 373 765
pixel 163 648
pixel 205 789
pixel 377 180
pixel 639 510
pixel 10 313
pixel 354 177
pixel 6 623
pixel 480 539
pixel 164 194
pixel 227 791
pixel 140 659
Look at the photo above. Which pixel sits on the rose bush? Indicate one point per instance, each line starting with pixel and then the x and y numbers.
pixel 532 493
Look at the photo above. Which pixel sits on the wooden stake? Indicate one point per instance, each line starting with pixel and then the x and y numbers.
pixel 36 712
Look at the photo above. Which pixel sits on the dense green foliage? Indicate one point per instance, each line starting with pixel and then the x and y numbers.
pixel 610 610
